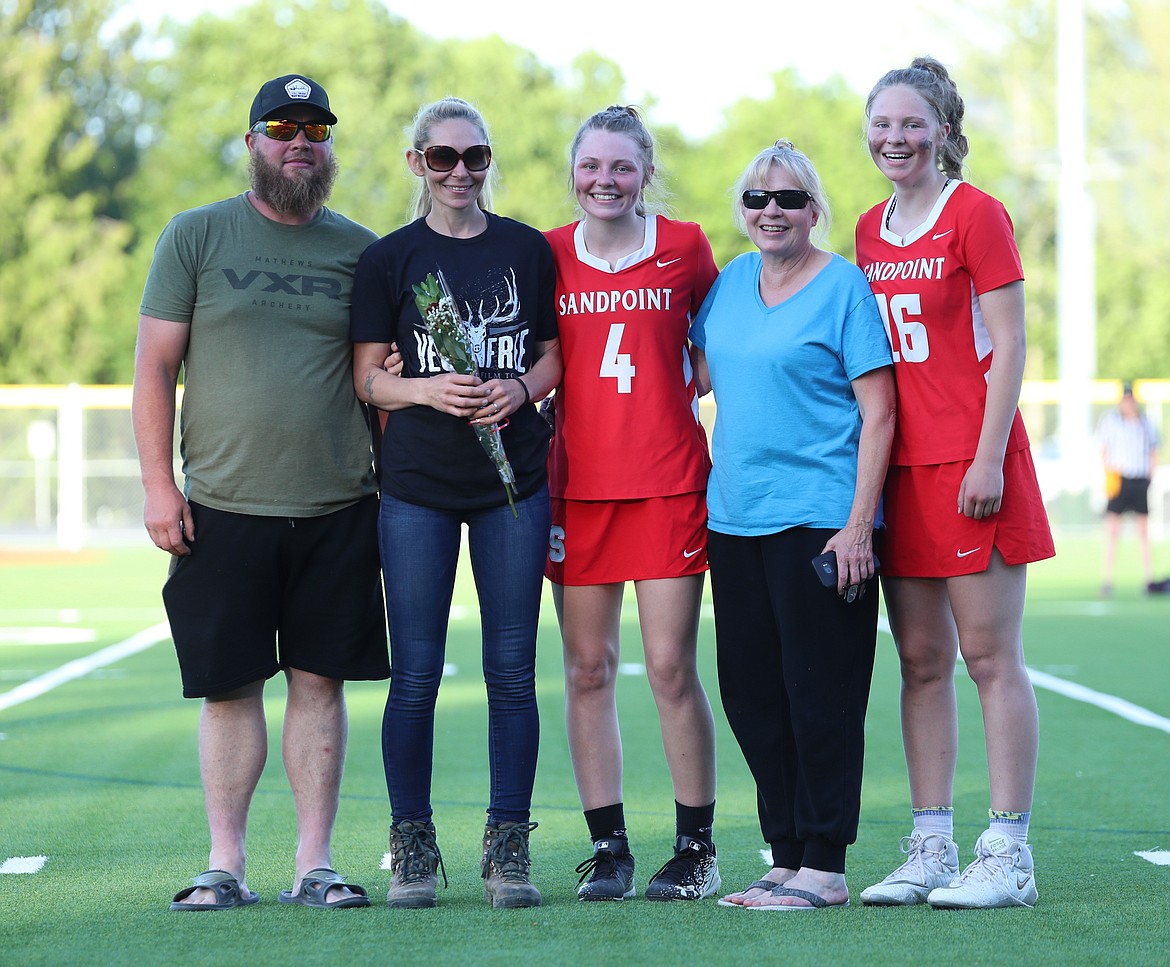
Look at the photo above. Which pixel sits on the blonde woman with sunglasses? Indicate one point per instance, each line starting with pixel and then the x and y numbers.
pixel 437 479
pixel 791 343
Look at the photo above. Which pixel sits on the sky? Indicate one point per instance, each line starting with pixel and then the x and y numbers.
pixel 658 46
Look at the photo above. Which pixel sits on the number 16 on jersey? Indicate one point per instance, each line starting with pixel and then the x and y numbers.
pixel 900 315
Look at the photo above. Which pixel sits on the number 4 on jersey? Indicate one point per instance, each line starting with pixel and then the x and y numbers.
pixel 615 364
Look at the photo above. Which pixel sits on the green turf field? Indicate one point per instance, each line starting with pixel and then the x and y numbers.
pixel 99 775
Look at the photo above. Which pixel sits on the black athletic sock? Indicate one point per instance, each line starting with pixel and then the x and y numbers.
pixel 607 822
pixel 695 821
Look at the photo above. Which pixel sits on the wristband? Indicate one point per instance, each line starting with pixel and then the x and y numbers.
pixel 523 386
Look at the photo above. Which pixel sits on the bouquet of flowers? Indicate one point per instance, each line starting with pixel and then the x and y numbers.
pixel 437 307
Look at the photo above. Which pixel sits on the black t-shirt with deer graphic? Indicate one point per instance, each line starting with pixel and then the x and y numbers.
pixel 504 285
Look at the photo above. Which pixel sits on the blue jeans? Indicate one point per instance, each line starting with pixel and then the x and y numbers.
pixel 420 551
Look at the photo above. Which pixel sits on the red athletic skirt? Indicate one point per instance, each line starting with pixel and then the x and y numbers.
pixel 607 541
pixel 927 537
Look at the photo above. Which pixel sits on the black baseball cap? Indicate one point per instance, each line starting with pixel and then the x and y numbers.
pixel 289 90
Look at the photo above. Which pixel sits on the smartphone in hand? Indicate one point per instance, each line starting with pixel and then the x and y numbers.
pixel 826 567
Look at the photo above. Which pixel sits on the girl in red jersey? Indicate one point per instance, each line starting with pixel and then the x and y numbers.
pixel 963 508
pixel 628 474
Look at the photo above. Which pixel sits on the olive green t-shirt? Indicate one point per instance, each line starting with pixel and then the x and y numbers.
pixel 270 424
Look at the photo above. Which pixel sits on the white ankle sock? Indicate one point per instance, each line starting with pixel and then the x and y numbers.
pixel 935 820
pixel 1011 824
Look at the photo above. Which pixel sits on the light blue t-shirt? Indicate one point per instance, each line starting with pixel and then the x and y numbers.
pixel 787 424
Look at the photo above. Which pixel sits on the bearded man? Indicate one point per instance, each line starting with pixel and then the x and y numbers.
pixel 273 534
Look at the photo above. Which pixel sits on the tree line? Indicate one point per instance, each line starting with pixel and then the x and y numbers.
pixel 110 130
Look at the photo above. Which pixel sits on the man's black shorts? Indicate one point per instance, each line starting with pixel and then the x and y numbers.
pixel 258 594
pixel 1134 497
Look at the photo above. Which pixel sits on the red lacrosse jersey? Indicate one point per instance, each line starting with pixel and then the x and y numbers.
pixel 627 411
pixel 927 287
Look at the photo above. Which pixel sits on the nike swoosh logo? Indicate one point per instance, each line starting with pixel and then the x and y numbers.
pixel 663 265
pixel 689 554
pixel 1022 883
pixel 966 553
pixel 938 235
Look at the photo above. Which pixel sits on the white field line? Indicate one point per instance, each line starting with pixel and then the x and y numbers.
pixel 23 864
pixel 79 667
pixel 144 639
pixel 59 676
pixel 1110 703
pixel 50 635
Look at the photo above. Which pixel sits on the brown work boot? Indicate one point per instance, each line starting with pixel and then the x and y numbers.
pixel 414 860
pixel 506 864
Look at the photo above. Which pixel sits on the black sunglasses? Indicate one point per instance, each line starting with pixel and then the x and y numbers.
pixel 316 131
pixel 442 157
pixel 788 198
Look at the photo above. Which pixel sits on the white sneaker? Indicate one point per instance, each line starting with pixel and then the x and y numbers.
pixel 1001 876
pixel 932 861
